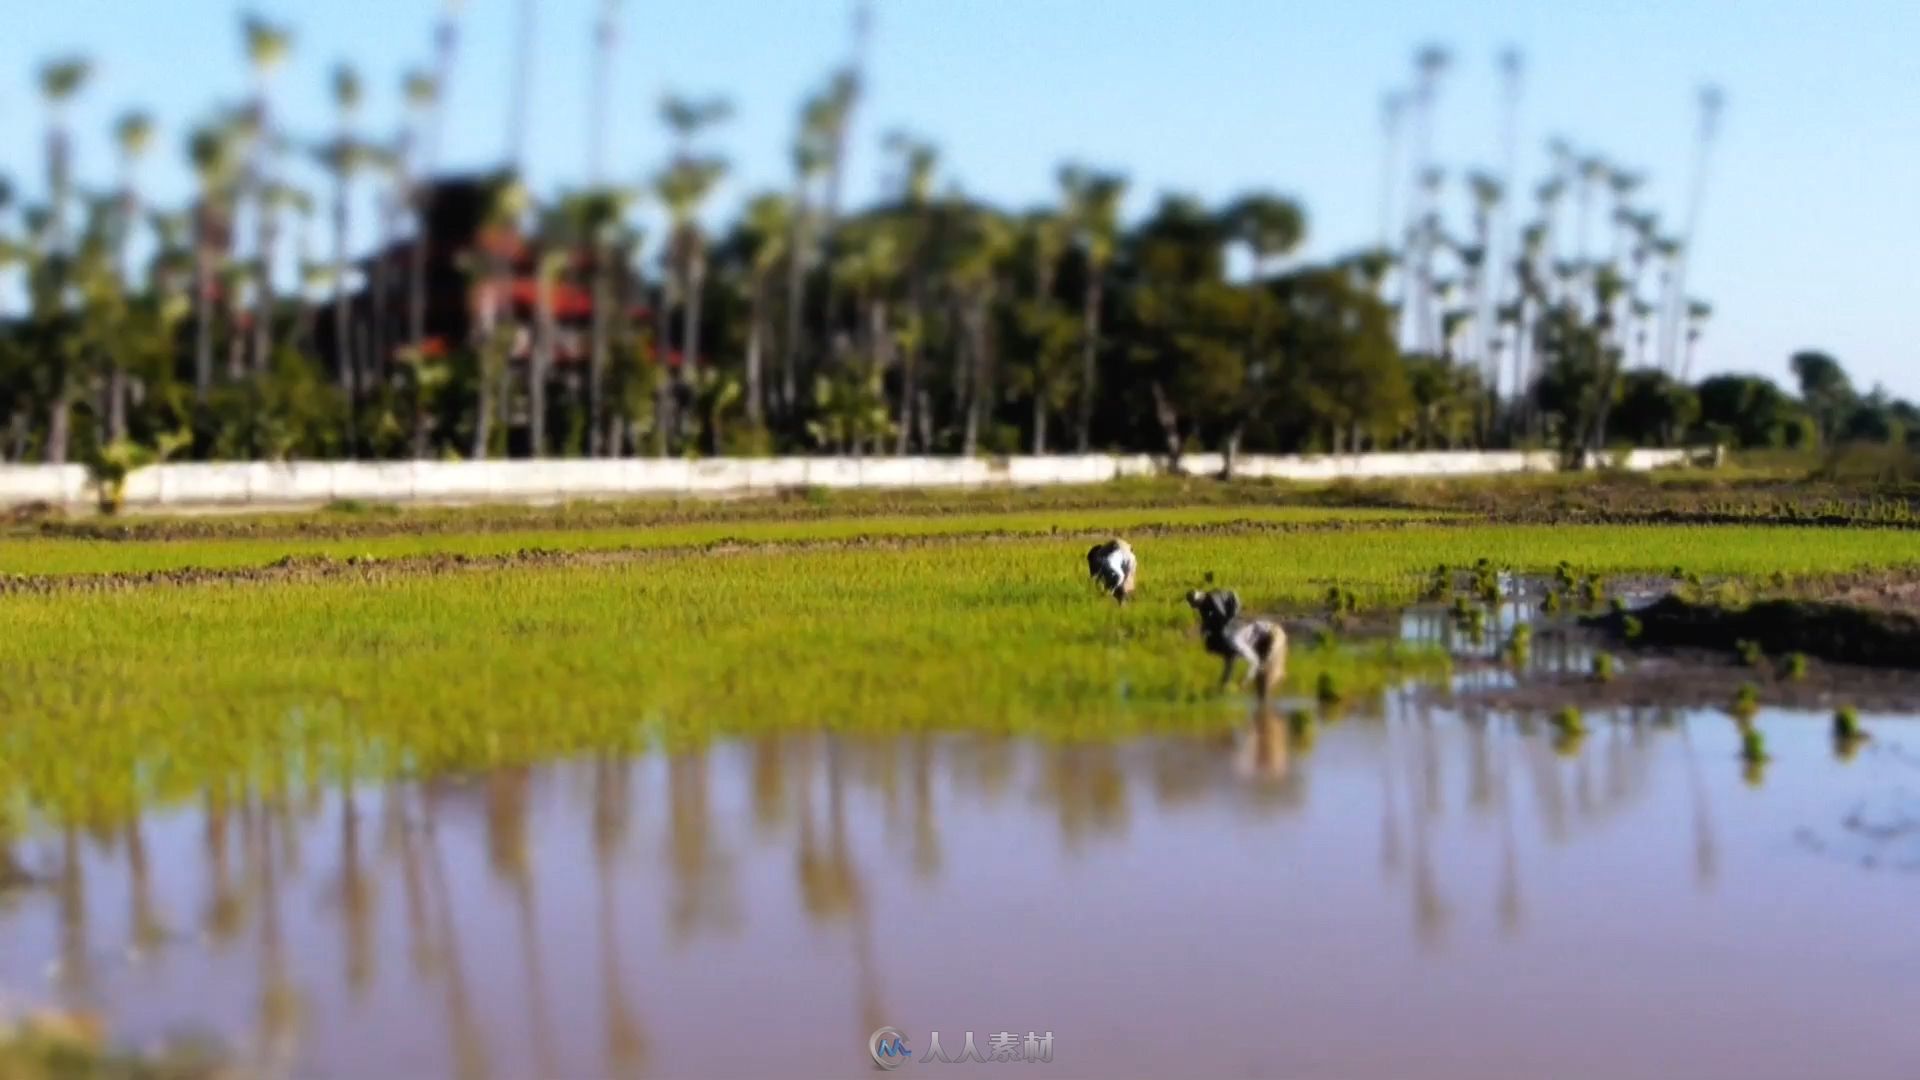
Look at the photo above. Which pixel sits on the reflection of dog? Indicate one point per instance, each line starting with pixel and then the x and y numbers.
pixel 1112 565
pixel 1262 644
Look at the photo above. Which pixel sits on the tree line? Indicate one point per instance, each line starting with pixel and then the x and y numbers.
pixel 928 322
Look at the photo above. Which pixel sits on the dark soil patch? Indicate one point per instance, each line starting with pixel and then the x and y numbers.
pixel 1841 632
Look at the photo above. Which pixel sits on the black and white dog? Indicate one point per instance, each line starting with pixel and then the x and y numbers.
pixel 1112 565
pixel 1262 644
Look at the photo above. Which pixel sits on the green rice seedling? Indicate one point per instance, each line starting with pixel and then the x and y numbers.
pixel 1746 702
pixel 1753 746
pixel 1632 627
pixel 1569 721
pixel 1603 667
pixel 1751 654
pixel 1795 668
pixel 1592 592
pixel 1552 604
pixel 1846 724
pixel 1326 690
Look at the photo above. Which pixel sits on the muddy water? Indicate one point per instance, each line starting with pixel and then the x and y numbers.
pixel 1440 886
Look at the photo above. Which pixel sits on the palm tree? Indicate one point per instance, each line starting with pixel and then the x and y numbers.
pixel 134 135
pixel 1050 331
pixel 1093 206
pixel 916 162
pixel 605 35
pixel 1710 102
pixel 267 48
pixel 767 231
pixel 422 92
pixel 506 204
pixel 983 239
pixel 810 157
pixel 1270 227
pixel 60 82
pixel 521 95
pixel 212 150
pixel 684 186
pixel 1430 62
pixel 343 158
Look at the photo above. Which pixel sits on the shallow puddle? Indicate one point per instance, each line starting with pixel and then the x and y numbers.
pixel 1418 893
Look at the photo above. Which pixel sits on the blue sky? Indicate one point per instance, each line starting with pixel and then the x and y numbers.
pixel 1812 217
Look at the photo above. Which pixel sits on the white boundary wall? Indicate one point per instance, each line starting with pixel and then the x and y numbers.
pixel 305 483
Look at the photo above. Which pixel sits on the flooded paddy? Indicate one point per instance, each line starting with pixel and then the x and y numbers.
pixel 1428 885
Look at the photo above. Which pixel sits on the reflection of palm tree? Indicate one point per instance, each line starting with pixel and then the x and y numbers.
pixel 225 907
pixel 1706 848
pixel 279 997
pixel 699 871
pixel 149 929
pixel 468 1036
pixel 1512 907
pixel 71 890
pixel 926 830
pixel 612 808
pixel 355 897
pixel 511 858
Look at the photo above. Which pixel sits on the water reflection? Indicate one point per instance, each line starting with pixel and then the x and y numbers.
pixel 564 919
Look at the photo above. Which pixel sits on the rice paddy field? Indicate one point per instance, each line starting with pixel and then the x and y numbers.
pixel 761 697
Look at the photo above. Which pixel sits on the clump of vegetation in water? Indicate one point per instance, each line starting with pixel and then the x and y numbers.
pixel 1795 668
pixel 1569 721
pixel 1603 665
pixel 1520 644
pixel 1632 627
pixel 1440 586
pixel 1551 605
pixel 1753 746
pixel 1751 654
pixel 1846 725
pixel 1593 592
pixel 1746 702
pixel 1326 690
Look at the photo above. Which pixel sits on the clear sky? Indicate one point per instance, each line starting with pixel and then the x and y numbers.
pixel 1813 209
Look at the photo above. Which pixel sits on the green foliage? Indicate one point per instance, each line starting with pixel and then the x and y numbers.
pixel 1846 724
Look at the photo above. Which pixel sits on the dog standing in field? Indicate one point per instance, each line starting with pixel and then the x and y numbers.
pixel 1262 644
pixel 1112 565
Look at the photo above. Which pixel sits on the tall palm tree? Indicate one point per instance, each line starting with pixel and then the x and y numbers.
pixel 983 240
pixel 267 48
pixel 1046 237
pixel 767 229
pixel 60 82
pixel 520 98
pixel 506 205
pixel 1430 63
pixel 1093 206
pixel 916 162
pixel 343 158
pixel 215 158
pixel 810 158
pixel 422 93
pixel 605 38
pixel 683 188
pixel 134 136
pixel 1270 227
pixel 1505 244
pixel 1710 102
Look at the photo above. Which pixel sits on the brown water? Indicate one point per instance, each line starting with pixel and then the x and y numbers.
pixel 1414 894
